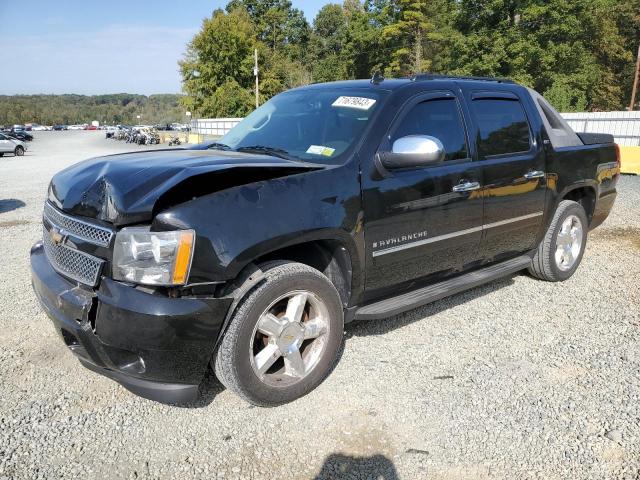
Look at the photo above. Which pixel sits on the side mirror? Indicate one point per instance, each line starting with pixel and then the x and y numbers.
pixel 413 151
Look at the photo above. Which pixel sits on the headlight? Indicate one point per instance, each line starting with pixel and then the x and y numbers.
pixel 153 258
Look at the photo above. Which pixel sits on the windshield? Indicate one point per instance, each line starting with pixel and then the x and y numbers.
pixel 312 125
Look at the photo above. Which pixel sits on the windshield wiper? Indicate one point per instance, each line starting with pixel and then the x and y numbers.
pixel 218 146
pixel 276 152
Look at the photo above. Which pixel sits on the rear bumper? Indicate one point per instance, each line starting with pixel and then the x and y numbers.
pixel 155 346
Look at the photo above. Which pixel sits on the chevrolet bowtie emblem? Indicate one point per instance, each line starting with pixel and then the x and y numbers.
pixel 57 236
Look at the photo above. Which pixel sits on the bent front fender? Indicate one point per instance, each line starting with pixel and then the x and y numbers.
pixel 237 225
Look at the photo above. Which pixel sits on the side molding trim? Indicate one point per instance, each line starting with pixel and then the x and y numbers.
pixel 459 233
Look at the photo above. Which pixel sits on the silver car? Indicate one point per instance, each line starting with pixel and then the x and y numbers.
pixel 11 145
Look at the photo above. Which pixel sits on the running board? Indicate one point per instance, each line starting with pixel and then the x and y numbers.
pixel 417 298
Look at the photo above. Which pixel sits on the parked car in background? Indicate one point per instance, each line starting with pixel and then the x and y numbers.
pixel 91 127
pixel 39 128
pixel 76 127
pixel 59 127
pixel 11 145
pixel 17 127
pixel 180 127
pixel 21 135
pixel 110 130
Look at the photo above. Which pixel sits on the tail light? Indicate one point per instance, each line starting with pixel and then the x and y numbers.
pixel 618 155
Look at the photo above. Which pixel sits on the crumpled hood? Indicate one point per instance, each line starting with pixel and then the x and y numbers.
pixel 123 189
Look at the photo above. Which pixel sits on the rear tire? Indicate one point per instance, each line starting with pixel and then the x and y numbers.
pixel 19 151
pixel 284 337
pixel 561 250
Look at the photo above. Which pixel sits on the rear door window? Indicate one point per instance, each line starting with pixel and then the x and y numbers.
pixel 503 127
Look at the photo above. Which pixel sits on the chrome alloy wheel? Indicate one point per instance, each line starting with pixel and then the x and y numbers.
pixel 289 338
pixel 568 243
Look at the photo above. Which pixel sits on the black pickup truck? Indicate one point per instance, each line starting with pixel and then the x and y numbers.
pixel 330 203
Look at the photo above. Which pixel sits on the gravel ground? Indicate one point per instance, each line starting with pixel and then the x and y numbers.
pixel 516 379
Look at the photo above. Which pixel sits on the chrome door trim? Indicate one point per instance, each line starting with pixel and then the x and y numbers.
pixel 459 233
pixel 419 243
pixel 512 220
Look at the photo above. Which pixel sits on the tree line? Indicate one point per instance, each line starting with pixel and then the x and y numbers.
pixel 121 108
pixel 578 53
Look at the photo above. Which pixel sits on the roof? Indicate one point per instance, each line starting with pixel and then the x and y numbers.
pixel 395 83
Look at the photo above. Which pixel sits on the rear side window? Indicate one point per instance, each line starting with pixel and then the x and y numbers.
pixel 438 118
pixel 503 126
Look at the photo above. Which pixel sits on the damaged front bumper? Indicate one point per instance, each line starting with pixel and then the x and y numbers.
pixel 155 346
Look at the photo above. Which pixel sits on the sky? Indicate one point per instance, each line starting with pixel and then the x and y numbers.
pixel 89 47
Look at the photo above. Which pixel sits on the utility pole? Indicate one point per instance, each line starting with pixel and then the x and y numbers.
pixel 635 82
pixel 255 74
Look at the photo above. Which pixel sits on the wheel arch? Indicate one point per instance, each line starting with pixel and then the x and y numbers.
pixel 584 194
pixel 327 255
pixel 329 252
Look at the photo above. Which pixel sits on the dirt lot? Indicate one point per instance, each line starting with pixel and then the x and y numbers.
pixel 517 379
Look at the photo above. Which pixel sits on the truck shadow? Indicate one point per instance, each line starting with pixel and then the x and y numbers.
pixel 362 328
pixel 9 204
pixel 209 390
pixel 211 386
pixel 338 465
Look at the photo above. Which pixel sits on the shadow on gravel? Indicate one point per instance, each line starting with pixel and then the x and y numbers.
pixel 209 390
pixel 211 386
pixel 363 328
pixel 338 465
pixel 10 204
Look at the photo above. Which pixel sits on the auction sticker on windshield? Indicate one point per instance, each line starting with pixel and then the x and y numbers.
pixel 360 103
pixel 320 150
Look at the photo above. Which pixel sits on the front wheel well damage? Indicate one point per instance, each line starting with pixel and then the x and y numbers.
pixel 327 256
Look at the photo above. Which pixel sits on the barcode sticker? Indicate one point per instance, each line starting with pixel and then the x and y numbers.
pixel 359 103
pixel 321 150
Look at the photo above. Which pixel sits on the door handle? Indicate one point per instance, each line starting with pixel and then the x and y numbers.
pixel 534 174
pixel 466 187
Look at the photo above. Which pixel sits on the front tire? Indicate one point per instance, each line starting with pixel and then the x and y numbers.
pixel 284 337
pixel 561 250
pixel 19 151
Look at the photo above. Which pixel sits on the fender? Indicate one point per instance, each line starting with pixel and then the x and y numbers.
pixel 240 224
pixel 248 279
pixel 273 245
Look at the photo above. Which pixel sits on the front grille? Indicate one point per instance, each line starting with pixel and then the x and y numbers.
pixel 74 264
pixel 86 231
